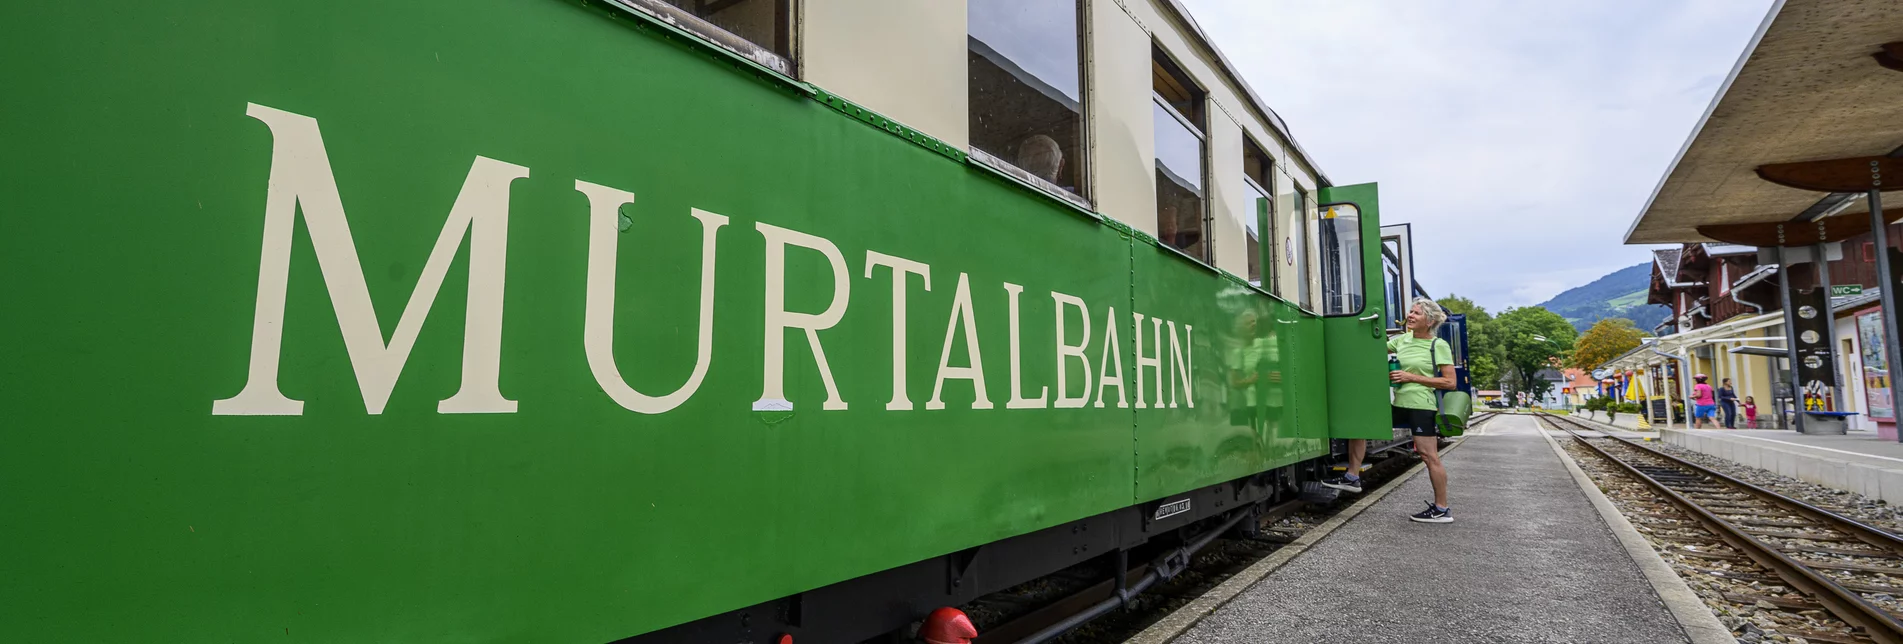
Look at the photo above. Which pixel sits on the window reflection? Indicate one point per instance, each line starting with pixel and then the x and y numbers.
pixel 1254 213
pixel 1026 87
pixel 1342 286
pixel 1396 299
pixel 1306 242
pixel 1177 114
pixel 1258 213
pixel 1287 270
pixel 1299 242
pixel 763 23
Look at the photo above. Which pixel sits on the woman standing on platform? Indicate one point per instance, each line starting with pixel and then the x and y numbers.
pixel 1704 404
pixel 1426 364
pixel 1728 399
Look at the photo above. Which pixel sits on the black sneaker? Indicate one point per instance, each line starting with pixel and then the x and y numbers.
pixel 1433 514
pixel 1344 484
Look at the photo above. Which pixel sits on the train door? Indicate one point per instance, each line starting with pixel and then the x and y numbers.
pixel 1397 274
pixel 1355 306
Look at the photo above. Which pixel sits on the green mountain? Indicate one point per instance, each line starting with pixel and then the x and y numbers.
pixel 1618 295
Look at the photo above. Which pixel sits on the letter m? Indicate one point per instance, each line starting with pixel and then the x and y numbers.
pixel 301 177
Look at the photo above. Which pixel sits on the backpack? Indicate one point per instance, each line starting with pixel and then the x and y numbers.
pixel 1453 408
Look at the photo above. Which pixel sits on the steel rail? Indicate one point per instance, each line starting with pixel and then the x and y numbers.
pixel 1862 531
pixel 1841 602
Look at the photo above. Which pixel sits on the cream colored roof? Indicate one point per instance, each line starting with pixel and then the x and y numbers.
pixel 1806 89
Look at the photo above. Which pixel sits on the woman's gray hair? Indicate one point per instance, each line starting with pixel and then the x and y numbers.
pixel 1433 311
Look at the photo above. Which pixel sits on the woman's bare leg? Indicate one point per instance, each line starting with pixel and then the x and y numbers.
pixel 1357 450
pixel 1429 449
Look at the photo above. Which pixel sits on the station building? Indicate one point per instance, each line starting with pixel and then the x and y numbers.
pixel 1777 194
pixel 1722 297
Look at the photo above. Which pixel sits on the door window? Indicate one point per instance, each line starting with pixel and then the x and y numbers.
pixel 1343 290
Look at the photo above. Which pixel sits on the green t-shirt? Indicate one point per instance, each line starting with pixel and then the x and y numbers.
pixel 1421 357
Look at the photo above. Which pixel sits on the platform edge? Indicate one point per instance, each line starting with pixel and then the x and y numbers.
pixel 1693 617
pixel 1169 628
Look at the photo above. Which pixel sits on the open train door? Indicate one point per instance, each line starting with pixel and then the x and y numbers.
pixel 1356 309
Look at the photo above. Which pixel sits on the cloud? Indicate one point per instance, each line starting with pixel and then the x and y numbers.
pixel 1521 138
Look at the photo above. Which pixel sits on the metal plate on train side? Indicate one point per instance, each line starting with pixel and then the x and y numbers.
pixel 1171 509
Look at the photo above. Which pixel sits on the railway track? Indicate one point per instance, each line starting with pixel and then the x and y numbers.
pixel 1848 568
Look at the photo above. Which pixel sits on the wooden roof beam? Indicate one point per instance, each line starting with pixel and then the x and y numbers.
pixel 1796 233
pixel 1853 175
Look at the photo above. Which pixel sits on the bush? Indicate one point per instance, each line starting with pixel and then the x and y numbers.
pixel 1596 404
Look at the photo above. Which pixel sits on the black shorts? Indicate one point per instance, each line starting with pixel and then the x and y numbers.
pixel 1418 421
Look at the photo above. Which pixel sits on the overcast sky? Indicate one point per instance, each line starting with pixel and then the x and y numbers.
pixel 1520 138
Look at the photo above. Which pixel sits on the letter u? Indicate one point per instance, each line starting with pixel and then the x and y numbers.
pixel 599 317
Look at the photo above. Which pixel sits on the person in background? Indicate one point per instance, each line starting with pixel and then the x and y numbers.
pixel 1704 404
pixel 1750 413
pixel 1427 364
pixel 1728 399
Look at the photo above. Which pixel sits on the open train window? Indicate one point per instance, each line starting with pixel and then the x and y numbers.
pixel 1344 292
pixel 759 30
pixel 1258 215
pixel 1027 91
pixel 1182 221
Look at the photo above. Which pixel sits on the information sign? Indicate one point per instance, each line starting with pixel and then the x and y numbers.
pixel 1876 372
pixel 1816 366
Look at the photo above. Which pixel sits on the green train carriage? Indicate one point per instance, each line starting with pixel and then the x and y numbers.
pixel 547 320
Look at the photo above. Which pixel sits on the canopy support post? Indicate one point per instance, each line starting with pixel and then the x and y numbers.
pixel 1796 393
pixel 1886 295
pixel 1822 251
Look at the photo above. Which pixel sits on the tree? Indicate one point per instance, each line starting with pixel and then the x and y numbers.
pixel 1457 305
pixel 1483 352
pixel 1530 339
pixel 1607 339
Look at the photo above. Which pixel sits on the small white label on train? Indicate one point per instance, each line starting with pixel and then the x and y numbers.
pixel 1171 509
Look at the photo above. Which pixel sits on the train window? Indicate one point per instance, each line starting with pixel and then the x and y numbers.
pixel 1282 241
pixel 1396 297
pixel 760 30
pixel 1343 289
pixel 1298 242
pixel 1026 91
pixel 1182 221
pixel 1258 215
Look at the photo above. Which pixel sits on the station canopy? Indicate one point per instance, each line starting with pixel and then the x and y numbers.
pixel 1820 80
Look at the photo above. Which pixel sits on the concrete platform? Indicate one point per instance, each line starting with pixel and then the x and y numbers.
pixel 1528 559
pixel 1858 461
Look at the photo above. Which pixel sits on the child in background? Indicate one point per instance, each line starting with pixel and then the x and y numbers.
pixel 1750 413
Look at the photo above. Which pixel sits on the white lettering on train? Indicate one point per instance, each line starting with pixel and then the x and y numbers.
pixel 1108 376
pixel 1018 401
pixel 974 369
pixel 900 268
pixel 301 179
pixel 598 325
pixel 1067 351
pixel 778 319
